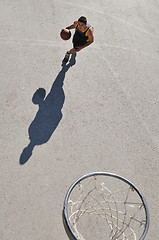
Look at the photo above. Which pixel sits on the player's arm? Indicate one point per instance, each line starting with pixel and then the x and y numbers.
pixel 90 36
pixel 72 26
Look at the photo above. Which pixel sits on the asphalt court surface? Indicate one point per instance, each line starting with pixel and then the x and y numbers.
pixel 99 113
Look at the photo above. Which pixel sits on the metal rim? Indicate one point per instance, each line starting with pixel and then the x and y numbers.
pixel 65 208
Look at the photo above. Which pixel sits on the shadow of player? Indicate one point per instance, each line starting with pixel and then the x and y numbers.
pixel 49 114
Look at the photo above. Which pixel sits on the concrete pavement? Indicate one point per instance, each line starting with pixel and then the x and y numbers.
pixel 100 113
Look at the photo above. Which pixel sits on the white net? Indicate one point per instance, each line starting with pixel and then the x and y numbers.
pixel 102 208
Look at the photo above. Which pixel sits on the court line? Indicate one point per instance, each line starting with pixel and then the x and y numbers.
pixel 57 43
pixel 80 6
pixel 134 108
pixel 30 41
pixel 127 49
pixel 132 25
pixel 113 16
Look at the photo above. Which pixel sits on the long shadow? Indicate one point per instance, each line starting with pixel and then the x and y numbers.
pixel 49 114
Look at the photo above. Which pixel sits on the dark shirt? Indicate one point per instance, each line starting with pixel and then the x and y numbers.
pixel 80 38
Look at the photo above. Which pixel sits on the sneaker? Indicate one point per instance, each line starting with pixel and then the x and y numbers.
pixel 66 58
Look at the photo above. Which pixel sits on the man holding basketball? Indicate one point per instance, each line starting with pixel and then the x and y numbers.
pixel 82 38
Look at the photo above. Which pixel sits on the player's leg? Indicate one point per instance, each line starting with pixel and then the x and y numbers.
pixel 68 53
pixel 67 56
pixel 72 51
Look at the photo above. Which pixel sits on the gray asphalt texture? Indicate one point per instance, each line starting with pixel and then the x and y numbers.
pixel 98 113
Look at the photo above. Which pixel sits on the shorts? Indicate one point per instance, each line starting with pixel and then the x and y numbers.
pixel 77 44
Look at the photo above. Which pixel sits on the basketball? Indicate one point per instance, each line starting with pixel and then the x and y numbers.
pixel 65 34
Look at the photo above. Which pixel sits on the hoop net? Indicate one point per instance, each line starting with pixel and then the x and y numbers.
pixel 102 207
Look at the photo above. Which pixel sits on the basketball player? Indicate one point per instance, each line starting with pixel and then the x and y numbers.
pixel 82 38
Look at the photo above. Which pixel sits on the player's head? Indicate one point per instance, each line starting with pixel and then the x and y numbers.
pixel 83 19
pixel 82 22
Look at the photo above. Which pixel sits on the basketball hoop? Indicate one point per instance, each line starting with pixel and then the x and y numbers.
pixel 105 206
